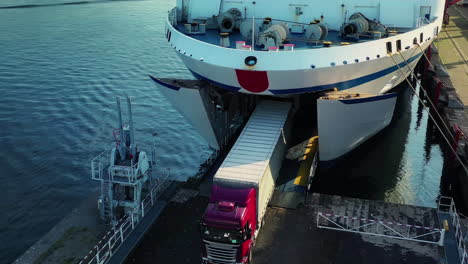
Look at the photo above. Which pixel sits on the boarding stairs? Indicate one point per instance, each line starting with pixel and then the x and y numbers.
pixel 106 200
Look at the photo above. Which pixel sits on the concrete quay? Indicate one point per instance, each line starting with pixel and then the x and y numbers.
pixel 292 235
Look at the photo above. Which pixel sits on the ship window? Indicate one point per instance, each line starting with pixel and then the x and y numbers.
pixel 170 35
pixel 367 58
pixel 421 38
pixel 332 64
pixel 356 60
pixel 429 38
pixel 398 45
pixel 415 41
pixel 345 62
pixel 312 66
pixel 437 31
pixel 389 47
pixel 378 56
pixel 202 59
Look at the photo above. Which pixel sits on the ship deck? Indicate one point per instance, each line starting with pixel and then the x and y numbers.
pixel 299 40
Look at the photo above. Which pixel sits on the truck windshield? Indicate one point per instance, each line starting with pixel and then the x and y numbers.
pixel 231 236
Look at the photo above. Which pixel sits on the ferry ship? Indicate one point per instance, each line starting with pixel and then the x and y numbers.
pixel 353 53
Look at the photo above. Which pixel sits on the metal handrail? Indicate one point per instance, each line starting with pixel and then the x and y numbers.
pixel 114 238
pixel 97 166
pixel 449 207
pixel 381 228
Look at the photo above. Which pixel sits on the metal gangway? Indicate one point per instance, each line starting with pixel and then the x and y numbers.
pixel 124 172
pixel 105 249
pixel 129 191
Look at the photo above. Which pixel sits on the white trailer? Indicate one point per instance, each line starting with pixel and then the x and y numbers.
pixel 255 159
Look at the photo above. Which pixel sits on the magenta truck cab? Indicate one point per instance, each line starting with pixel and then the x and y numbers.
pixel 243 186
pixel 228 225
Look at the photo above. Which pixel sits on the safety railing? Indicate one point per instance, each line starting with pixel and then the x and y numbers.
pixel 173 16
pixel 447 205
pixel 98 167
pixel 102 170
pixel 114 238
pixel 381 228
pixel 124 174
pixel 421 21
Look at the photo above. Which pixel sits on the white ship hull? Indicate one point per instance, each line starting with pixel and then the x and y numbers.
pixel 372 66
pixel 345 124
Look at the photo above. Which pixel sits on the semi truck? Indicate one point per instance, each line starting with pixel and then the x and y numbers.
pixel 243 185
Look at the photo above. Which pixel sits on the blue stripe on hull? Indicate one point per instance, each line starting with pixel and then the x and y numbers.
pixel 173 87
pixel 347 84
pixel 340 85
pixel 369 99
pixel 227 87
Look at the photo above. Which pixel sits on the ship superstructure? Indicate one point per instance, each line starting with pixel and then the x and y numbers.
pixel 350 53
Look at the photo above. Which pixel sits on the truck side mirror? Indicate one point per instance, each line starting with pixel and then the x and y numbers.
pixel 248 233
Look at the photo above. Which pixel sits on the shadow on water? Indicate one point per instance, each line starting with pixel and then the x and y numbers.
pixel 402 164
pixel 65 4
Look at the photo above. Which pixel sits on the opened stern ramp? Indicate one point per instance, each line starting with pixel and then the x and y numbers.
pixel 346 120
pixel 216 114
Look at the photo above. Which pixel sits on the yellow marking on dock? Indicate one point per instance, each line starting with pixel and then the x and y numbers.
pixel 306 162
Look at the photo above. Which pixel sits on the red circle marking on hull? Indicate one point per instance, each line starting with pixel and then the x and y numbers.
pixel 253 81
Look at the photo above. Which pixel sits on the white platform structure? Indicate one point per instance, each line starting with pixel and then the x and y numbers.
pixel 124 173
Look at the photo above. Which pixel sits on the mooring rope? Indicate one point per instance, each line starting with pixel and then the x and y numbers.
pixel 427 96
pixel 429 113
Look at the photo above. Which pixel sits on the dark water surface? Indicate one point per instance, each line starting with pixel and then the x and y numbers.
pixel 61 67
pixel 402 164
pixel 60 70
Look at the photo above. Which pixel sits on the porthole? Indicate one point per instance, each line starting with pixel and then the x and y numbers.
pixel 332 64
pixel 356 60
pixel 312 66
pixel 202 59
pixel 367 58
pixel 250 61
pixel 345 62
pixel 378 56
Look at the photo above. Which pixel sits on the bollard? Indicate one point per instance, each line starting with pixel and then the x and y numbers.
pixel 442 236
pixel 437 92
pixel 456 140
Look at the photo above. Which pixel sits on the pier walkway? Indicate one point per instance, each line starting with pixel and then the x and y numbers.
pixel 452 45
